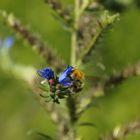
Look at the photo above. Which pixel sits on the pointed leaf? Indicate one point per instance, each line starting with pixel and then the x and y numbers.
pixel 39 135
pixel 87 124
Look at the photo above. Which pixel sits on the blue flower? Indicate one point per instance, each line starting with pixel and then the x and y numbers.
pixel 8 42
pixel 46 73
pixel 64 78
pixel 0 42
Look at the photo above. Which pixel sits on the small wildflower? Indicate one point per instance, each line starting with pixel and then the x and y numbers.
pixel 64 78
pixel 0 42
pixel 70 81
pixel 8 42
pixel 46 73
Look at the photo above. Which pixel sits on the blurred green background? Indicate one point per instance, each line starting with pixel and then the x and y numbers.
pixel 20 111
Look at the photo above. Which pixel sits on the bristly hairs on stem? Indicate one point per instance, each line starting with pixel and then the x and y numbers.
pixel 120 132
pixel 103 24
pixel 56 5
pixel 71 101
pixel 100 86
pixel 131 71
pixel 64 15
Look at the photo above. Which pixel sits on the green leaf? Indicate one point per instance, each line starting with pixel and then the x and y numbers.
pixel 87 124
pixel 47 137
pixel 39 135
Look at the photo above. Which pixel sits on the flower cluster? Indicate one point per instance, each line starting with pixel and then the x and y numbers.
pixel 69 82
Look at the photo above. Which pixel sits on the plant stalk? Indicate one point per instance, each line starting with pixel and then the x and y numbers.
pixel 71 102
pixel 74 33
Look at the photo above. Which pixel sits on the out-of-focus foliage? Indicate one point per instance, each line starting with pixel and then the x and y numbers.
pixel 119 48
pixel 119 5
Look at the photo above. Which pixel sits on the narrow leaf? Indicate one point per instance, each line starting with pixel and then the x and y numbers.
pixel 87 124
pixel 37 134
pixel 47 137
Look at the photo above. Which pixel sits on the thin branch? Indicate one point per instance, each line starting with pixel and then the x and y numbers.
pixel 56 5
pixel 99 87
pixel 63 14
pixel 115 79
pixel 72 107
pixel 102 23
pixel 121 132
pixel 74 38
pixel 129 72
pixel 35 42
pixel 71 102
pixel 83 5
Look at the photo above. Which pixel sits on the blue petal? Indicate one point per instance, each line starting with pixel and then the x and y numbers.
pixel 64 77
pixel 66 82
pixel 0 42
pixel 8 42
pixel 46 73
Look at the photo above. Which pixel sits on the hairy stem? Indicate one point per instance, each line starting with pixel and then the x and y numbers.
pixel 71 102
pixel 103 24
pixel 121 132
pixel 129 72
pixel 73 48
pixel 74 33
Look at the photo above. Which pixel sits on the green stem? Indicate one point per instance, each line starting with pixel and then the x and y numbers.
pixel 73 48
pixel 74 33
pixel 71 102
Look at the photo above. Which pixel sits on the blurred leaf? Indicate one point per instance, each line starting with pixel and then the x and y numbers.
pixel 87 124
pixel 90 30
pixel 92 103
pixel 39 135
